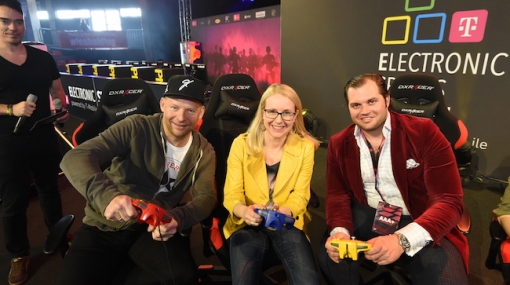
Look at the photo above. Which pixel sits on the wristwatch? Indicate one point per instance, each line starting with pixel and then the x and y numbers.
pixel 403 241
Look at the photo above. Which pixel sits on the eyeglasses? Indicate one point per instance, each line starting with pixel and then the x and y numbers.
pixel 286 115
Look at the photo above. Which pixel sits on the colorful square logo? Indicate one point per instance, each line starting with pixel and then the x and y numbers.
pixel 468 26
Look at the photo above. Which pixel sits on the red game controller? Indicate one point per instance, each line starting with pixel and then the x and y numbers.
pixel 151 214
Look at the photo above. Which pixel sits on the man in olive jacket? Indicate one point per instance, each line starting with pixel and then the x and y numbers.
pixel 159 159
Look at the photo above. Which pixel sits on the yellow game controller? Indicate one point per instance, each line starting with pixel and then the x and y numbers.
pixel 349 248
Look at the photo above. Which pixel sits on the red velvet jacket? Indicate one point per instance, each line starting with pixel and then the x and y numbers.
pixel 432 191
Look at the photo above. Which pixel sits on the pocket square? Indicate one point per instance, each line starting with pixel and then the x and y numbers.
pixel 411 163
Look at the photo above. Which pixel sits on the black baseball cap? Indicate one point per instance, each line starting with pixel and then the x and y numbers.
pixel 185 87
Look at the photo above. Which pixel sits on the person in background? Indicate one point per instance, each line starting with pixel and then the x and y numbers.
pixel 502 211
pixel 26 156
pixel 392 181
pixel 270 167
pixel 84 25
pixel 159 159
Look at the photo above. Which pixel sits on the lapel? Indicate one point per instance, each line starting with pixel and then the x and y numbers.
pixel 399 154
pixel 352 167
pixel 289 164
pixel 256 167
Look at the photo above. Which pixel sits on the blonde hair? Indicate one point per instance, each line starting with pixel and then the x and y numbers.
pixel 255 132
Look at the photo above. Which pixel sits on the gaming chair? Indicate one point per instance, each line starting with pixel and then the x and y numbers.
pixel 421 95
pixel 498 257
pixel 120 98
pixel 232 105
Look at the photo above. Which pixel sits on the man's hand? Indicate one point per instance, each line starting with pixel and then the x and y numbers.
pixel 333 252
pixel 163 232
pixel 23 108
pixel 120 209
pixel 385 250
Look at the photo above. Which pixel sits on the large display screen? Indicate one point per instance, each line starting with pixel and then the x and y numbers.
pixel 241 42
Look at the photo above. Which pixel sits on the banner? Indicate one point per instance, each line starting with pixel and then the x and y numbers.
pixel 93 40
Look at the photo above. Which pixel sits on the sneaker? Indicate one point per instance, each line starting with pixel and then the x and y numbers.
pixel 19 270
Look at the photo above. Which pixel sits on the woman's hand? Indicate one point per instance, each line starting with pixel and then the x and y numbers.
pixel 248 214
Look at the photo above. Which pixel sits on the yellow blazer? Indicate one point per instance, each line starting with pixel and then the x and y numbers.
pixel 246 182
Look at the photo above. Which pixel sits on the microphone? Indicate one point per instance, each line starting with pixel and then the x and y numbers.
pixel 21 120
pixel 58 108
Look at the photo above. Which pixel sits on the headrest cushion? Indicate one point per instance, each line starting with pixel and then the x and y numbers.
pixel 242 108
pixel 425 111
pixel 119 112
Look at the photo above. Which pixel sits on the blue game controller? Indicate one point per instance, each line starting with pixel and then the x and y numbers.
pixel 275 220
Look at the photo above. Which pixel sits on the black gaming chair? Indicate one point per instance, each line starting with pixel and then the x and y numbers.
pixel 120 98
pixel 421 95
pixel 232 105
pixel 498 256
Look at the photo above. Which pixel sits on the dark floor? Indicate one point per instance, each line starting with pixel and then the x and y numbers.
pixel 480 200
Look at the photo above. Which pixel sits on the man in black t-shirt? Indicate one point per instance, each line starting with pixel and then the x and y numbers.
pixel 25 155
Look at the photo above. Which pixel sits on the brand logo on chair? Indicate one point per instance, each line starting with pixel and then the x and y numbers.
pixel 236 87
pixel 416 87
pixel 125 92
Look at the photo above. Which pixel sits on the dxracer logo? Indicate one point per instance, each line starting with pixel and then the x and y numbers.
pixel 465 26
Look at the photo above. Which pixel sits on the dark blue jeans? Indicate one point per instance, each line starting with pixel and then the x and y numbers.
pixel 438 265
pixel 25 158
pixel 249 245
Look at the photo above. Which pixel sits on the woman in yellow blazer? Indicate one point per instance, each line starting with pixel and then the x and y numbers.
pixel 270 166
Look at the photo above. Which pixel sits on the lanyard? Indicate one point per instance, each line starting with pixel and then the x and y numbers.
pixel 375 154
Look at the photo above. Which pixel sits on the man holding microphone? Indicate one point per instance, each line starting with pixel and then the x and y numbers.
pixel 27 75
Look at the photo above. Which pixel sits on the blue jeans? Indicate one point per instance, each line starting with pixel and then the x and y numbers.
pixel 249 245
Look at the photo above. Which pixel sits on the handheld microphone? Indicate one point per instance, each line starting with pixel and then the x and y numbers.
pixel 21 120
pixel 58 108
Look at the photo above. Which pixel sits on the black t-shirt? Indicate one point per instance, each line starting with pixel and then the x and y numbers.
pixel 34 76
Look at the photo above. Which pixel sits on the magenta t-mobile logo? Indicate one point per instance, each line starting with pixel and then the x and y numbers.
pixel 468 26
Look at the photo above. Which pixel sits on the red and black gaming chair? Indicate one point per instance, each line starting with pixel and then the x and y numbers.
pixel 421 95
pixel 120 98
pixel 232 105
pixel 498 257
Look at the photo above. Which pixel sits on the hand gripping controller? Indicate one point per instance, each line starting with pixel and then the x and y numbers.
pixel 350 248
pixel 275 220
pixel 151 214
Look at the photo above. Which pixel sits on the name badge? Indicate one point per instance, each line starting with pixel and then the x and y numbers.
pixel 387 217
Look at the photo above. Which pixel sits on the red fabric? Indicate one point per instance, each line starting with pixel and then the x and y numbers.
pixel 463 137
pixel 215 234
pixel 505 251
pixel 75 143
pixel 432 191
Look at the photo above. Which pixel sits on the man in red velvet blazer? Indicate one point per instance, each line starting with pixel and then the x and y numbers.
pixel 392 181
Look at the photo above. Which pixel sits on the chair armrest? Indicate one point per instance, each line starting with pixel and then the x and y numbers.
pixel 58 234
